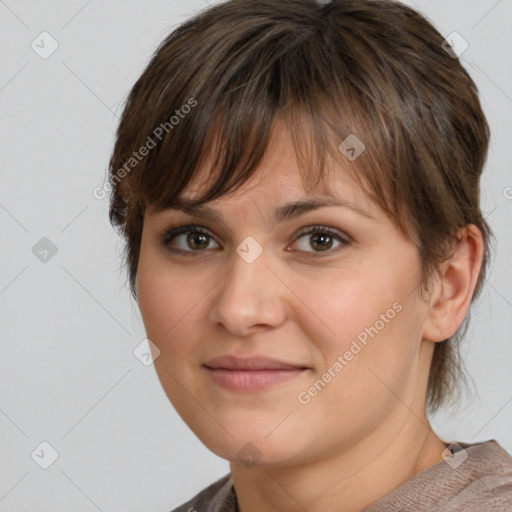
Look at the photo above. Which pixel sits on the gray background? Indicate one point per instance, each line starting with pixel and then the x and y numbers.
pixel 68 326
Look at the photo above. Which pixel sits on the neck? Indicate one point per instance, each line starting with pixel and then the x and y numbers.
pixel 349 477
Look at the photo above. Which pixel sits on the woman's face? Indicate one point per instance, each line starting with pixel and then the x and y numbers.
pixel 341 303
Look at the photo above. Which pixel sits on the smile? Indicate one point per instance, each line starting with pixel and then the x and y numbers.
pixel 252 380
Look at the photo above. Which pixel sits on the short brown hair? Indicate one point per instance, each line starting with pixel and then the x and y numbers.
pixel 372 68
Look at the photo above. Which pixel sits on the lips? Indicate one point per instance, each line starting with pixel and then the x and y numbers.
pixel 251 374
pixel 253 363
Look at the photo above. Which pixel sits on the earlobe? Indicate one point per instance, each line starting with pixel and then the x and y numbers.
pixel 454 287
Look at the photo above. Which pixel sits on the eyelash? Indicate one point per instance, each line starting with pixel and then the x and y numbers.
pixel 173 231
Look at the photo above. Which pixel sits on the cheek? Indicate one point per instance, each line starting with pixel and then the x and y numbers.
pixel 379 369
pixel 352 307
pixel 372 322
pixel 168 304
pixel 171 301
pixel 162 297
pixel 153 301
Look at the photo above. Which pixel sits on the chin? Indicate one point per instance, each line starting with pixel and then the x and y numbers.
pixel 258 453
pixel 250 446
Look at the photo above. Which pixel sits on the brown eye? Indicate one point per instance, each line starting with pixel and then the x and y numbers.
pixel 320 239
pixel 187 239
pixel 197 240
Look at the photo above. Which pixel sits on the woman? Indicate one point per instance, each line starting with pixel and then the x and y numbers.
pixel 298 185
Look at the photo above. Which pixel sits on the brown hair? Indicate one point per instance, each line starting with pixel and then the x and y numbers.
pixel 373 68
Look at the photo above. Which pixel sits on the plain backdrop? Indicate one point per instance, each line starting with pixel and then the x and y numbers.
pixel 68 374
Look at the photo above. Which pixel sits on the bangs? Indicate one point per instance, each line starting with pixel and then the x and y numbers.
pixel 232 151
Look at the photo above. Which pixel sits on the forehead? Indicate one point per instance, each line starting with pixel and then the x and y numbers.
pixel 279 196
pixel 279 176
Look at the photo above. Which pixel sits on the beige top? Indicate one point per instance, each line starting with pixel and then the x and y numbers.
pixel 477 478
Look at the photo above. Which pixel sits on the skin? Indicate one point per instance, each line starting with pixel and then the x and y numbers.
pixel 366 432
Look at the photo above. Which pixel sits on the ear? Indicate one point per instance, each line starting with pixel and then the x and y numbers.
pixel 454 286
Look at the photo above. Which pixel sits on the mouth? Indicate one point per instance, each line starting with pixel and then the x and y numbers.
pixel 251 374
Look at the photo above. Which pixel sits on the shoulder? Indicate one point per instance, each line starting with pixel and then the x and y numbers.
pixel 485 494
pixel 489 487
pixel 475 478
pixel 215 493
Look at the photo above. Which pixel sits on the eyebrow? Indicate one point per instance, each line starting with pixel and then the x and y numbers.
pixel 283 212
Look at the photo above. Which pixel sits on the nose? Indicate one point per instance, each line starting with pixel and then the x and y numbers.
pixel 249 298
